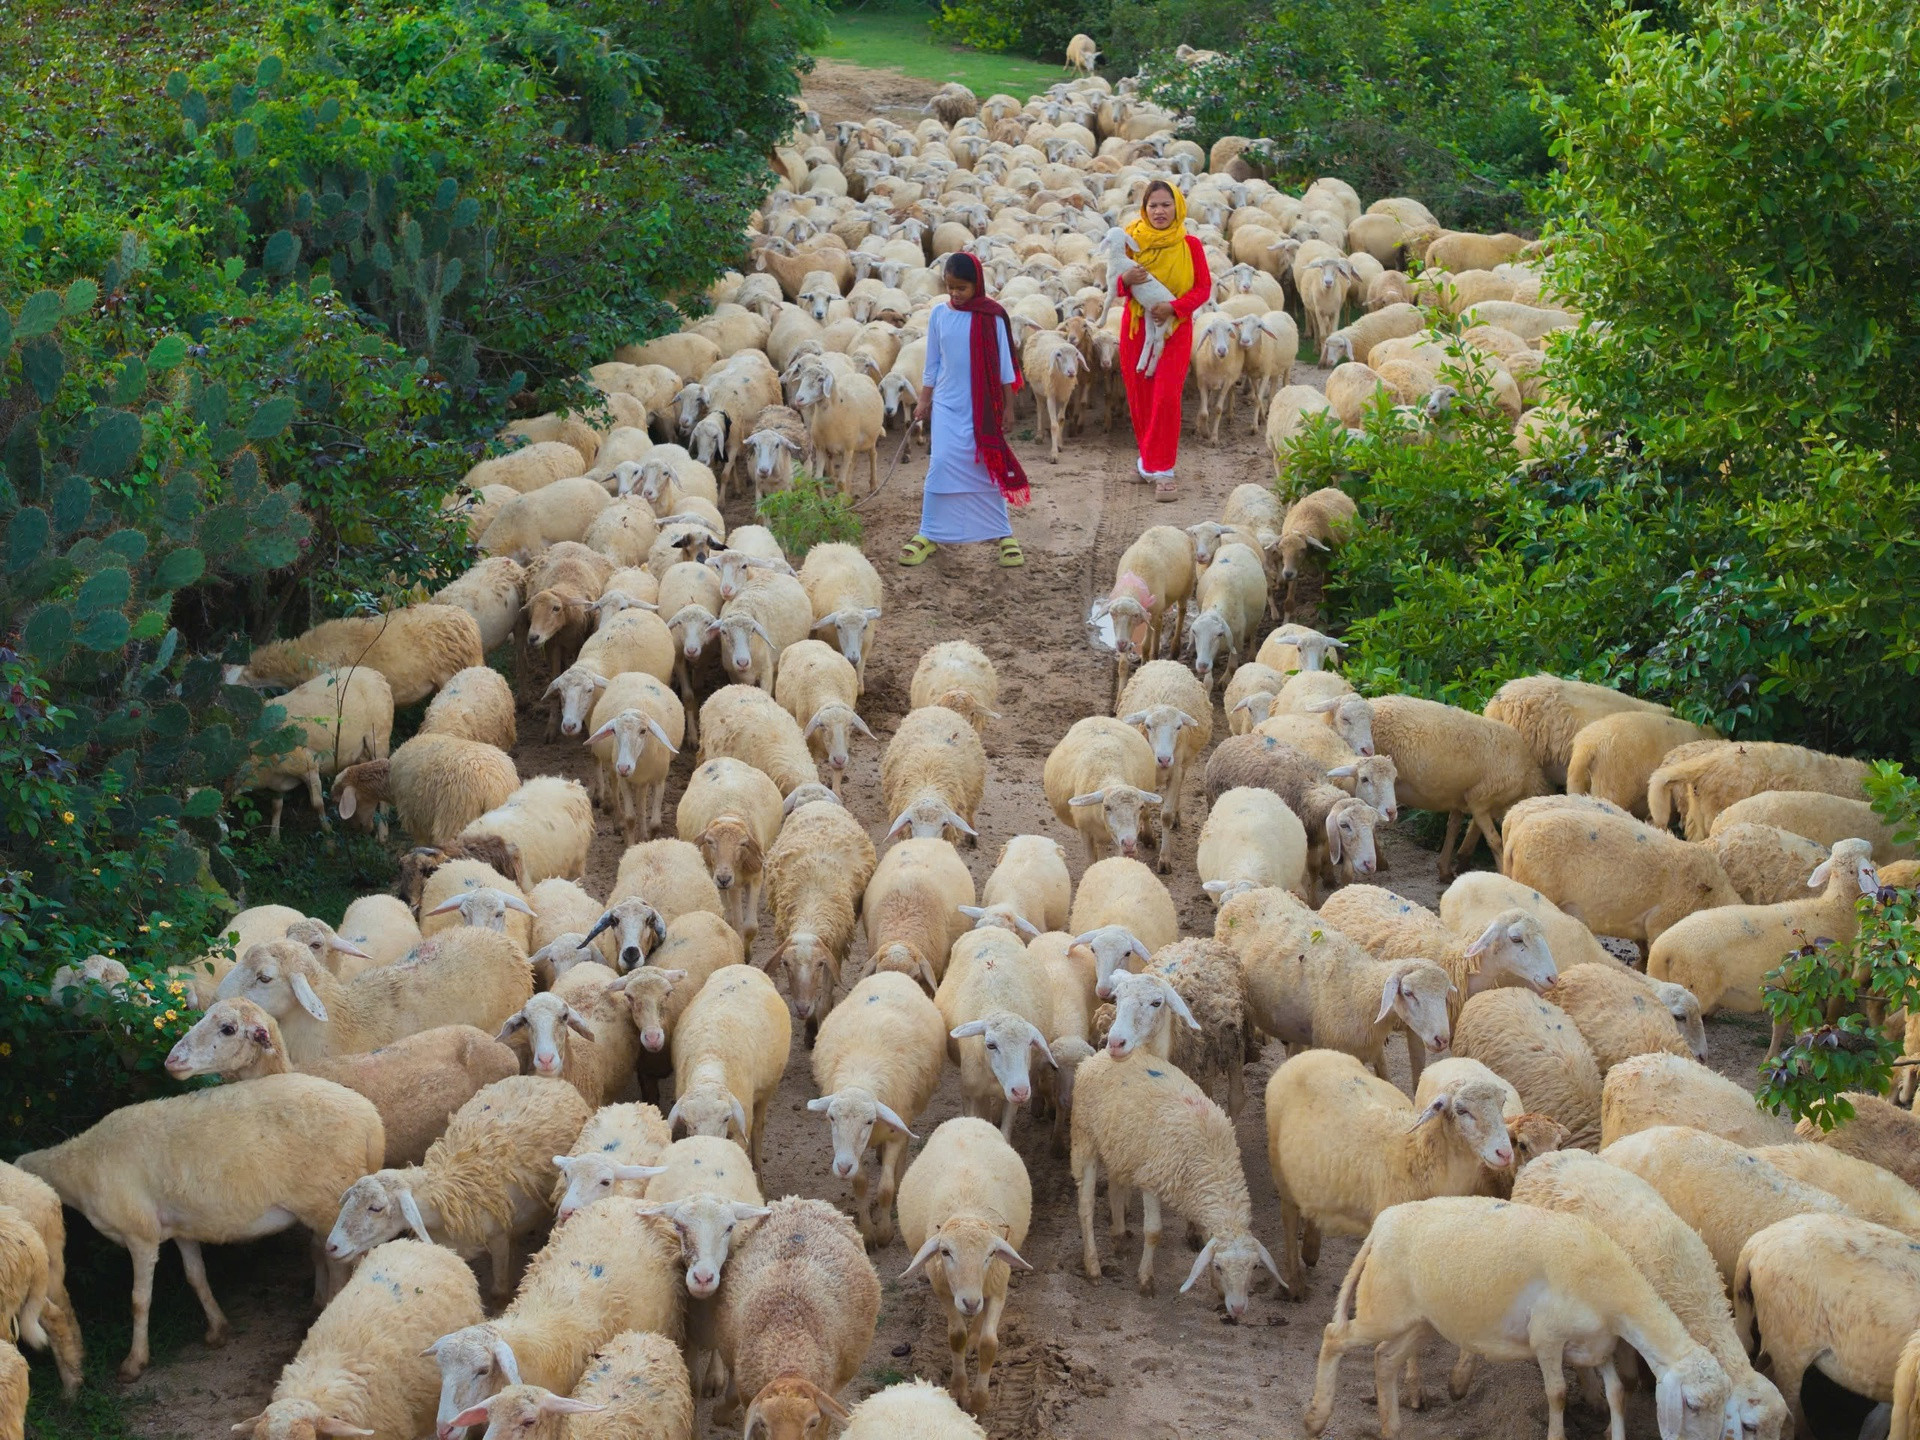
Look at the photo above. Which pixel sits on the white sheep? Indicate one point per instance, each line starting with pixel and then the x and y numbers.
pixel 1471 902
pixel 816 874
pixel 1120 251
pixel 637 727
pixel 1620 1013
pixel 1251 840
pixel 1699 781
pixel 1658 1088
pixel 1868 1190
pixel 746 723
pixel 616 1153
pixel 965 1205
pixel 846 418
pixel 440 784
pixel 729 1051
pixel 933 774
pixel 914 1408
pixel 417 648
pixel 1613 757
pixel 844 590
pixel 39 1206
pixel 550 821
pixel 911 909
pixel 1174 712
pixel 732 812
pixel 1534 1046
pixel 958 675
pixel 580 1032
pixel 635 1388
pixel 999 1008
pixel 761 619
pixel 1454 761
pixel 1123 895
pixel 697 946
pixel 1098 780
pixel 1231 596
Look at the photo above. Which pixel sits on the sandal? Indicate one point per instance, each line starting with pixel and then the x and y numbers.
pixel 1010 556
pixel 1166 489
pixel 917 551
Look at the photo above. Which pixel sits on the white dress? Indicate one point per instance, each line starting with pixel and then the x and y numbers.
pixel 961 503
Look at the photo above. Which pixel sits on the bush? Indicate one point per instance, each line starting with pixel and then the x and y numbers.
pixel 809 512
pixel 1131 33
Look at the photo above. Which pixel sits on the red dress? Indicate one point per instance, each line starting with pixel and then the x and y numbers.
pixel 1155 403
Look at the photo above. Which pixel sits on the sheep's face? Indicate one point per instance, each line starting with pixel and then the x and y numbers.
pixel 1350 837
pixel 733 567
pixel 1008 1042
pixel 708 443
pixel 688 404
pixel 1256 707
pixel 690 627
pixel 274 976
pixel 1113 948
pixel 550 612
pixel 1513 950
pixel 372 1212
pixel 295 1420
pixel 226 1038
pixel 1352 721
pixel 768 455
pixel 731 852
pixel 322 943
pixel 1229 1262
pixel 928 817
pixel 849 627
pixel 1684 1006
pixel 637 928
pixel 853 1114
pixel 705 1225
pixel 830 730
pixel 646 990
pixel 577 688
pixel 656 481
pixel 1755 1409
pixel 1162 724
pixel 1416 992
pixel 1312 648
pixel 1121 808
pixel 597 1177
pixel 1142 1006
pixel 633 735
pixel 1294 549
pixel 965 1252
pixel 736 635
pixel 1690 1400
pixel 548 1019
pixel 474 1363
pixel 901 958
pixel 710 1110
pixel 790 1409
pixel 1374 780
pixel 1475 1111
pixel 895 388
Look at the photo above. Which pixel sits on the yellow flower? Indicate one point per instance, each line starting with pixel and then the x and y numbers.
pixel 67 816
pixel 166 925
pixel 96 869
pixel 5 1048
pixel 172 1016
pixel 143 929
pixel 158 1023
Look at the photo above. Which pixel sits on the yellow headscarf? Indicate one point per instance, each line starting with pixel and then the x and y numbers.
pixel 1163 252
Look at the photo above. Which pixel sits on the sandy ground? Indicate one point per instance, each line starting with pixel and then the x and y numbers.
pixel 1079 1360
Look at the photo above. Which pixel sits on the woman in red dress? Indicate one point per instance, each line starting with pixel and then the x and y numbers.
pixel 1164 252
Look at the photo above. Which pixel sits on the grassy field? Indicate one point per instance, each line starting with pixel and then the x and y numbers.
pixel 892 35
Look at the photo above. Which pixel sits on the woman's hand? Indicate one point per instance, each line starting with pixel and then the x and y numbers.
pixel 924 409
pixel 1137 275
pixel 1163 312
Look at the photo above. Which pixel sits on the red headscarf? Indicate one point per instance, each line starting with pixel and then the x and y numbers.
pixel 989 402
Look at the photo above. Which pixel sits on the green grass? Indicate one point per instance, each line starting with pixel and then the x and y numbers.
pixel 892 35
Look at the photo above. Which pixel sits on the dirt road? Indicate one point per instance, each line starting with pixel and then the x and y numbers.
pixel 1079 1360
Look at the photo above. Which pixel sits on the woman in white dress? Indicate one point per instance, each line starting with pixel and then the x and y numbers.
pixel 972 473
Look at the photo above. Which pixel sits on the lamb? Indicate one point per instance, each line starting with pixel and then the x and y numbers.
pixel 1155 1130
pixel 732 812
pixel 1765 864
pixel 475 704
pixel 1830 1291
pixel 1707 780
pixel 796 1317
pixel 958 675
pixel 846 419
pixel 1867 1190
pixel 1550 712
pixel 933 774
pixel 913 1407
pixel 1454 761
pixel 439 784
pixel 1155 573
pixel 1615 874
pixel 1120 250
pixel 816 874
pixel 1535 1047
pixel 607 1271
pixel 617 1152
pixel 415 1083
pixel 599 1054
pixel 1250 695
pixel 846 596
pixel 1818 817
pixel 1174 712
pixel 1099 779
pixel 992 996
pixel 1030 881
pixel 343 717
pixel 636 1386
pixel 484 1182
pixel 965 1206
pixel 1724 956
pixel 549 821
pixel 1290 648
pixel 1613 756
pixel 1620 1014
pixel 466 976
pixel 562 590
pixel 1121 893
pixel 1307 984
pixel 776 440
pixel 418 648
pixel 1879 1131
pixel 729 1050
pixel 877 1063
pixel 746 723
pixel 1251 840
pixel 360 1369
pixel 1725 1192
pixel 37 1204
pixel 1051 365
pixel 1582 1293
pixel 265 1156
pixel 1344 1146
pixel 1657 1088
pixel 1338 826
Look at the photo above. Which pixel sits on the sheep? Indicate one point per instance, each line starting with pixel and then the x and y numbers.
pixel 965 1205
pixel 1290 648
pixel 636 1386
pixel 958 675
pixel 417 648
pixel 1155 573
pixel 616 1153
pixel 340 716
pixel 658 881
pixel 1766 865
pixel 264 1156
pixel 729 1051
pixel 531 467
pixel 1620 1014
pixel 1344 1146
pixel 1199 982
pixel 1879 1131
pixel 915 1408
pixel 1318 521
pixel 1550 712
pixel 568 429
pixel 415 1083
pixel 1052 366
pixel 531 524
pixel 439 785
pixel 1121 892
pixel 746 723
pixel 430 876
pixel 1580 1291
pixel 1354 343
pixel 24 1278
pixel 877 1062
pixel 475 704
pixel 1232 597
pixel 1707 779
pixel 1251 840
pixel 796 1317
pixel 1353 389
pixel 1818 817
pixel 1155 1130
pixel 1322 282
pixel 1098 780
pixel 1658 1088
pixel 14 1379
pixel 1174 712
pixel 1614 874
pixel 1451 760
pixel 1219 361
pixel 1250 695
pixel 1869 1191
pixel 39 1206
pixel 1338 826
pixel 846 418
pixel 637 727
pixel 465 976
pixel 689 356
pixel 1082 54
pixel 732 812
pixel 380 927
pixel 607 1271
pixel 776 440
pixel 1834 1292
pixel 624 531
pixel 360 1364
pixel 696 947
pixel 1307 984
pixel 599 1054
pixel 845 592
pixel 549 821
pixel 1613 756
pixel 1724 956
pixel 1293 407
pixel 933 774
pixel 1477 896
pixel 1030 880
pixel 990 995
pixel 1724 1192
pixel 482 1183
pixel 766 616
pixel 1535 1046
pixel 816 874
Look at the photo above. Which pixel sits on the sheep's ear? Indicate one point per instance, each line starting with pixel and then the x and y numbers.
pixel 1485 942
pixel 1389 993
pixel 1820 873
pixel 1343 772
pixel 450 904
pixel 515 1022
pixel 1180 1008
pixel 1316 542
pixel 1200 1263
pixel 892 1118
pixel 1001 1248
pixel 972 912
pixel 921 1256
pixel 740 1118
pixel 820 1104
pixel 503 1357
pixel 410 1210
pixel 345 800
pixel 1322 706
pixel 472 1415
pixel 1266 1259
pixel 971 1028
pixel 310 1002
pixel 329 1425
pixel 1436 1106
pixel 1092 797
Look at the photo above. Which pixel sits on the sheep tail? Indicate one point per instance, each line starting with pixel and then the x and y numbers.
pixel 1580 772
pixel 1667 785
pixel 1342 1305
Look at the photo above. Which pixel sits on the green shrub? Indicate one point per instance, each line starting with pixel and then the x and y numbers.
pixel 809 512
pixel 1131 33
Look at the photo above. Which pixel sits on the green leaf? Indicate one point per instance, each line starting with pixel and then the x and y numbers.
pixel 223 531
pixel 129 545
pixel 246 140
pixel 167 352
pixel 446 193
pixel 6 330
pixel 47 633
pixel 272 67
pixel 272 418
pixel 44 366
pixel 130 382
pixel 245 474
pixel 105 631
pixel 194 107
pixel 106 590
pixel 112 445
pixel 203 804
pixel 280 253
pixel 183 861
pixel 148 624
pixel 27 538
pixel 72 502
pixel 466 212
pixel 176 86
pixel 210 409
pixel 179 568
pixel 39 315
pixel 79 298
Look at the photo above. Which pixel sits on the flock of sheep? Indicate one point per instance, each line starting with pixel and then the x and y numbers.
pixel 1567 1183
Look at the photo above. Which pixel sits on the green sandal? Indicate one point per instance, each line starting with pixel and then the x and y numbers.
pixel 917 551
pixel 1010 556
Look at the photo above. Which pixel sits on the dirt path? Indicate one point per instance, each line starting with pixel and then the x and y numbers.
pixel 1079 1361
